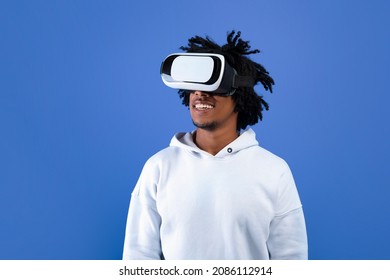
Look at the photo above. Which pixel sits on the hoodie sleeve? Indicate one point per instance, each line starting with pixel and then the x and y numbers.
pixel 287 239
pixel 142 238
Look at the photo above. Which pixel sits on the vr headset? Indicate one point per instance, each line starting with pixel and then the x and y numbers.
pixel 206 72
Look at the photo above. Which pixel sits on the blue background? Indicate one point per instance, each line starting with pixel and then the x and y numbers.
pixel 82 107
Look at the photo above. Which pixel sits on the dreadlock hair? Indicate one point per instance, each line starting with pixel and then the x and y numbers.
pixel 248 103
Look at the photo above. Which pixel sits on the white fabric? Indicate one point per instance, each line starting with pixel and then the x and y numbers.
pixel 239 204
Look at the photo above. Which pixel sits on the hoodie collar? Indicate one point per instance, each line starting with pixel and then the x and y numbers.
pixel 185 140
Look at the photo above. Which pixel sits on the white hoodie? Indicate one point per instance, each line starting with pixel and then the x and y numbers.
pixel 239 204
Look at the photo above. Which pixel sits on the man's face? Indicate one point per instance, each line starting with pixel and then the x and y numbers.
pixel 211 112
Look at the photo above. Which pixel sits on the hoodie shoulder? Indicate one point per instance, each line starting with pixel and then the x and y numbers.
pixel 182 139
pixel 169 152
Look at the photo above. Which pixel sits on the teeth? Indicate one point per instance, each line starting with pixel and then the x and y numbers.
pixel 203 106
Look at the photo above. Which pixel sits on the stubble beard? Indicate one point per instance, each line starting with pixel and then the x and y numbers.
pixel 210 126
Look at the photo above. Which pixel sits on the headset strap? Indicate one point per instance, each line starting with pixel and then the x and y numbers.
pixel 243 81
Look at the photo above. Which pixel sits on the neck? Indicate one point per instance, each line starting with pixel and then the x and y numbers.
pixel 214 141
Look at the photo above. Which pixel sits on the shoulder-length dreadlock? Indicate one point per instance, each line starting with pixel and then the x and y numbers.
pixel 248 104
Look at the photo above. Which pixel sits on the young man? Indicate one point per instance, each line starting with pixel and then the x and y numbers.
pixel 215 193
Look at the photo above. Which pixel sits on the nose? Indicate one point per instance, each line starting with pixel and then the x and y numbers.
pixel 201 93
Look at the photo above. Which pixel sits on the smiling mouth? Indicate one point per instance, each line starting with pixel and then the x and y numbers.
pixel 203 107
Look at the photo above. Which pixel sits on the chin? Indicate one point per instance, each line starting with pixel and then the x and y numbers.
pixel 211 126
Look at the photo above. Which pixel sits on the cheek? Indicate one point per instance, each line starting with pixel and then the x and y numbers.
pixel 228 111
pixel 231 106
pixel 190 99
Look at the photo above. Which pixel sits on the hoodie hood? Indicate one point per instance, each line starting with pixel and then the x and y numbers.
pixel 246 140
